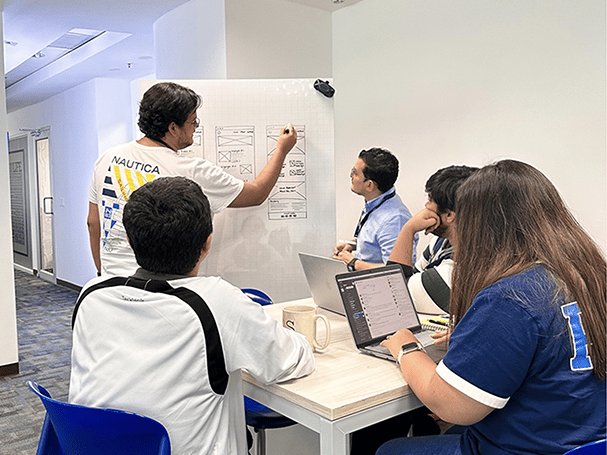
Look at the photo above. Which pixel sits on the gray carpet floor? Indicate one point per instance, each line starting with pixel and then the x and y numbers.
pixel 44 314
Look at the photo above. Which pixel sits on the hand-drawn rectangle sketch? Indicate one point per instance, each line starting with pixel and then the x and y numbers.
pixel 288 198
pixel 240 122
pixel 235 147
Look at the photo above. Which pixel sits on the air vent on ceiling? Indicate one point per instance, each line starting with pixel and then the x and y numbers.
pixel 62 46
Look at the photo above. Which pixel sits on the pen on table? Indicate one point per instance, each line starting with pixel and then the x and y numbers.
pixel 436 321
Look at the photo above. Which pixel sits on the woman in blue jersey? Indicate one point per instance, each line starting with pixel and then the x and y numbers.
pixel 525 368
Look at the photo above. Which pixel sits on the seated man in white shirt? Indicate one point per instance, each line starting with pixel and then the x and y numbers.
pixel 430 278
pixel 170 345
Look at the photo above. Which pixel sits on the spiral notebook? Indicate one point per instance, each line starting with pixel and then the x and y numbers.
pixel 377 304
pixel 437 324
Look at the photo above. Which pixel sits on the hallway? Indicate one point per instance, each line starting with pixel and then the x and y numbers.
pixel 44 314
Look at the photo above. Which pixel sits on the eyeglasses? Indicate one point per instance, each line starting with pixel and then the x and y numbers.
pixel 196 122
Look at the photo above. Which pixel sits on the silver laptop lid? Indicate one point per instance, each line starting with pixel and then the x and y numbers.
pixel 320 274
pixel 377 303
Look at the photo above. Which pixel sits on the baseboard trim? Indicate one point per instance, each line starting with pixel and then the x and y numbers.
pixel 9 370
pixel 34 272
pixel 67 284
pixel 24 269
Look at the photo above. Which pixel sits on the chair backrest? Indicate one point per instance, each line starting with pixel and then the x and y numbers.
pixel 257 296
pixel 590 448
pixel 71 429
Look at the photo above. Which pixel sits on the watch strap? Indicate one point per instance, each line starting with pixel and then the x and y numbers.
pixel 407 348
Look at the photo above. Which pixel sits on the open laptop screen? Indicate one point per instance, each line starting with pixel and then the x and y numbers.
pixel 377 303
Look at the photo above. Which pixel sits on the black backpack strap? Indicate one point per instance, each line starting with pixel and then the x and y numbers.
pixel 218 376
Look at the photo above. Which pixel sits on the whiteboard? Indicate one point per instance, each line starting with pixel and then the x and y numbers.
pixel 240 122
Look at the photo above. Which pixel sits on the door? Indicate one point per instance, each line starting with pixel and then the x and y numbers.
pixel 46 269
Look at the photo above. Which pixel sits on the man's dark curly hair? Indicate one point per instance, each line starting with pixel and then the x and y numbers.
pixel 164 103
pixel 167 222
pixel 442 186
pixel 381 166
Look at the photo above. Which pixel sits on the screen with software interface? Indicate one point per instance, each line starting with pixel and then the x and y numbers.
pixel 377 303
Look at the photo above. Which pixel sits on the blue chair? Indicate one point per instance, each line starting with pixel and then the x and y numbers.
pixel 71 429
pixel 258 416
pixel 591 448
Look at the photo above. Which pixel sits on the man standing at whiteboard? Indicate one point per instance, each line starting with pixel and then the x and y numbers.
pixel 168 120
pixel 373 177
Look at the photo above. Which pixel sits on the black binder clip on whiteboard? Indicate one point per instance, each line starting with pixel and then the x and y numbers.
pixel 324 88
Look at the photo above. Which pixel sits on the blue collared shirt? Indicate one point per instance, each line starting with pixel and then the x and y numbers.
pixel 378 234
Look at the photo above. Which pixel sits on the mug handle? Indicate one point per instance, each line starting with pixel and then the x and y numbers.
pixel 317 345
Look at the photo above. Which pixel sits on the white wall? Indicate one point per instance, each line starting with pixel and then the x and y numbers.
pixel 8 320
pixel 277 39
pixel 114 116
pixel 470 82
pixel 190 41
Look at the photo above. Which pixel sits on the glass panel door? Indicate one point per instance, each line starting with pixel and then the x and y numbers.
pixel 45 209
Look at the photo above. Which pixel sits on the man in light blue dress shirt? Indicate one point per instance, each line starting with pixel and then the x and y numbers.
pixel 383 216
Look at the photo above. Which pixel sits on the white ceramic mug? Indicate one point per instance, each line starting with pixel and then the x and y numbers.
pixel 303 319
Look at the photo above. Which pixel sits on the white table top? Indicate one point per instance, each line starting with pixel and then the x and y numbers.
pixel 345 381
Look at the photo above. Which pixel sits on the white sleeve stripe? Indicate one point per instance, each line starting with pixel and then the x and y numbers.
pixel 470 390
pixel 421 299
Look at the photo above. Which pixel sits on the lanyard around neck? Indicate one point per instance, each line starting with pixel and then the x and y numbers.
pixel 364 219
pixel 163 143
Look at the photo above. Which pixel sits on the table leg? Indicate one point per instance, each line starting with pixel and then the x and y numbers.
pixel 333 441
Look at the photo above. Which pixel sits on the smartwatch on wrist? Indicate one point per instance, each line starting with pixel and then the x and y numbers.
pixel 407 348
pixel 351 264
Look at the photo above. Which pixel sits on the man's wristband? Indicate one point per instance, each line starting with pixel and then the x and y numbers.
pixel 351 266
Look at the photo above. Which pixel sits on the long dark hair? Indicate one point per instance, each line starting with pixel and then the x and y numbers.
pixel 510 218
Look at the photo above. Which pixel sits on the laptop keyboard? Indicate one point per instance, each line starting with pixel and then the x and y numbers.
pixel 378 348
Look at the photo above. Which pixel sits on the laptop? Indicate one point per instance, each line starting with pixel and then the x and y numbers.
pixel 320 274
pixel 377 303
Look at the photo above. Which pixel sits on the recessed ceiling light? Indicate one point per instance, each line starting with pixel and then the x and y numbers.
pixel 38 55
pixel 10 43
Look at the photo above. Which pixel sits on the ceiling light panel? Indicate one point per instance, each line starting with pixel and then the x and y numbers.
pixel 74 39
